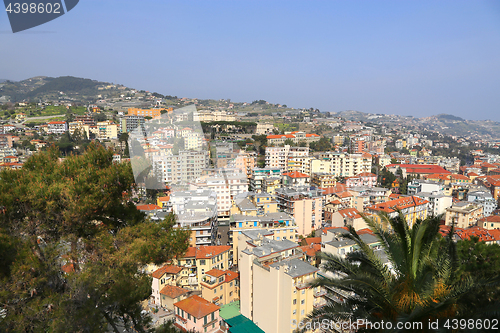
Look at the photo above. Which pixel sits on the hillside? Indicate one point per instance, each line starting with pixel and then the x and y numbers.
pixel 42 87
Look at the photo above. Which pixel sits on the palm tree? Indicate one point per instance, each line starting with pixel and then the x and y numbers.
pixel 415 283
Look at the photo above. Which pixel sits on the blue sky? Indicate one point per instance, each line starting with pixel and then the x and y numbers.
pixel 415 58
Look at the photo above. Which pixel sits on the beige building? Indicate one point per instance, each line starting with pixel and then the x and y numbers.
pixel 172 294
pixel 275 284
pixel 208 116
pixel 464 214
pixel 277 157
pixel 170 275
pixel 304 204
pixel 323 180
pixel 107 130
pixel 220 287
pixel 201 259
pixel 348 165
pixel 490 222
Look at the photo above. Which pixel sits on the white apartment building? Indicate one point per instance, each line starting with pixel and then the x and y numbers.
pixel 227 187
pixel 348 165
pixel 184 168
pixel 57 127
pixel 278 157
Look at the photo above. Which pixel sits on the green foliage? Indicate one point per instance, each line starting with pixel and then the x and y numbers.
pixel 420 284
pixel 322 145
pixel 77 214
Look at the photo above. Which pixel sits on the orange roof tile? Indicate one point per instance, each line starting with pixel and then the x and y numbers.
pixel 167 269
pixel 148 207
pixel 296 174
pixel 206 251
pixel 401 203
pixel 173 291
pixel 313 240
pixel 215 272
pixel 197 306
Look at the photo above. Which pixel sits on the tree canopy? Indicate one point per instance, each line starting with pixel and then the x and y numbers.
pixel 72 245
pixel 413 278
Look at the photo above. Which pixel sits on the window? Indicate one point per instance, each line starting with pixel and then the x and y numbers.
pixel 302 302
pixel 205 320
pixel 294 311
pixel 277 238
pixel 255 224
pixel 240 224
pixel 213 316
pixel 230 294
pixel 215 291
pixel 302 312
pixel 294 301
pixel 303 292
pixel 221 279
pixel 189 316
pixel 231 284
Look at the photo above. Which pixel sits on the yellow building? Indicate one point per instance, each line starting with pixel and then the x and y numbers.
pixel 202 259
pixel 323 180
pixel 412 208
pixel 107 130
pixel 220 287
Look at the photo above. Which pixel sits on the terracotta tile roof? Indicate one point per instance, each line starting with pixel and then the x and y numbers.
pixel 491 218
pixel 164 199
pixel 336 202
pixel 401 203
pixel 481 233
pixel 197 306
pixel 56 122
pixel 296 174
pixel 173 291
pixel 313 240
pixel 311 249
pixel 206 251
pixel 345 194
pixel 364 231
pixel 350 213
pixel 215 272
pixel 366 174
pixel 312 135
pixel 420 168
pixel 148 207
pixel 167 269
pixel 230 276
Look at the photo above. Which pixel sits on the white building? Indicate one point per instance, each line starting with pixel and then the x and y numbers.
pixel 57 127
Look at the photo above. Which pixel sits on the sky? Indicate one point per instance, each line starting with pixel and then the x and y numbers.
pixel 417 58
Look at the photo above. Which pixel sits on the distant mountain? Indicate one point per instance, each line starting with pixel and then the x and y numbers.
pixel 43 87
pixel 3 80
pixel 443 123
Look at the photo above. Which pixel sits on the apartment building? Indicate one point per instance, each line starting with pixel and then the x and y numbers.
pixel 277 157
pixel 484 198
pixel 130 123
pixel 296 137
pixel 170 275
pixel 183 168
pixel 57 127
pixel 258 175
pixel 196 210
pixel 275 284
pixel 107 130
pixel 411 207
pixel 220 287
pixel 348 165
pixel 363 179
pixel 153 113
pixel 304 205
pixel 227 187
pixel 464 214
pixel 195 314
pixel 201 259
pixel 438 202
pixel 323 180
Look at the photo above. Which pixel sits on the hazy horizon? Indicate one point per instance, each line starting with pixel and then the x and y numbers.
pixel 408 58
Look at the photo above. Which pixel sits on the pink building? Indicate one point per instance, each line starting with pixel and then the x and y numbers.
pixel 363 179
pixel 197 314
